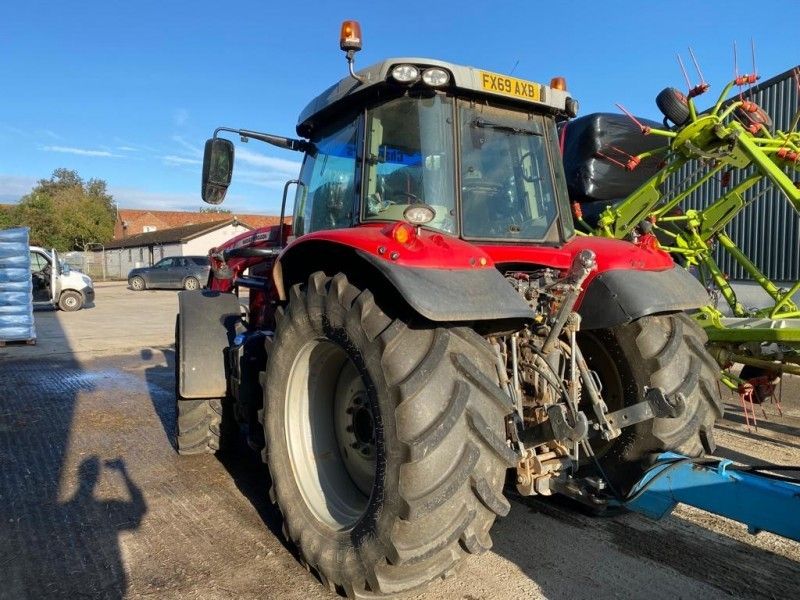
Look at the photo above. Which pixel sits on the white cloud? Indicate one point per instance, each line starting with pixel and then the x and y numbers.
pixel 51 134
pixel 138 198
pixel 181 117
pixel 188 146
pixel 262 178
pixel 14 187
pixel 127 197
pixel 79 151
pixel 14 130
pixel 173 160
pixel 127 149
pixel 281 165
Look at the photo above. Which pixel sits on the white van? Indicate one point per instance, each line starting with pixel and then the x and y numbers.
pixel 62 286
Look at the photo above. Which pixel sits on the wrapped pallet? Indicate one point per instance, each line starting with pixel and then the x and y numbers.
pixel 16 299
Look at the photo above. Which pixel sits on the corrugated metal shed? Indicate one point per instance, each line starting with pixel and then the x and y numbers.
pixel 767 231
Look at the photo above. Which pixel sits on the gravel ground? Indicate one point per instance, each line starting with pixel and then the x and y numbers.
pixel 94 503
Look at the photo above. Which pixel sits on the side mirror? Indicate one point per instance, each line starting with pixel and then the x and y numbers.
pixel 217 169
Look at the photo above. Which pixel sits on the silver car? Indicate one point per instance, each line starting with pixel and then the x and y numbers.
pixel 187 272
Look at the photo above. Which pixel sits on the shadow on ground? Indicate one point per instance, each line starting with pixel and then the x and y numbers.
pixel 243 464
pixel 561 549
pixel 59 538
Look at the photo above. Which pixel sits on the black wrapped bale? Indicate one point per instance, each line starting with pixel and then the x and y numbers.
pixel 591 144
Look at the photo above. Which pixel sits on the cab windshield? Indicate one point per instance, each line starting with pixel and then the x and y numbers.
pixel 506 184
pixel 507 190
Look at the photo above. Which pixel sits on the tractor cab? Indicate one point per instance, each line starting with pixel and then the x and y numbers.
pixel 454 149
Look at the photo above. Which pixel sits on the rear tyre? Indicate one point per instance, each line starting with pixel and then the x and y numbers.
pixel 385 440
pixel 138 284
pixel 191 283
pixel 202 426
pixel 666 351
pixel 673 105
pixel 70 301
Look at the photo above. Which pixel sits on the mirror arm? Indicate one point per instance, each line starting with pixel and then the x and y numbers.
pixel 275 140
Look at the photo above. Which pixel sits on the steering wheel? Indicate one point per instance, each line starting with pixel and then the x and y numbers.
pixel 413 197
pixel 527 175
pixel 487 188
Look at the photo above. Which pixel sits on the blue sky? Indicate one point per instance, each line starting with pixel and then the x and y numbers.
pixel 129 91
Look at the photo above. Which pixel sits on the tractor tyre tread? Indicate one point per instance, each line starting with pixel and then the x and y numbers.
pixel 198 426
pixel 202 426
pixel 444 469
pixel 666 351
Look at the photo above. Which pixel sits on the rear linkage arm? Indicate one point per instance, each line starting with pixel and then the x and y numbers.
pixel 655 405
pixel 550 448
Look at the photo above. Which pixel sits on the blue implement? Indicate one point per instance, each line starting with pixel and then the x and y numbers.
pixel 762 503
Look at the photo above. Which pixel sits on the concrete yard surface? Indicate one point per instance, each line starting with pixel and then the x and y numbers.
pixel 118 320
pixel 94 502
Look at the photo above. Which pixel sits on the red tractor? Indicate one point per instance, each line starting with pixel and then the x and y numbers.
pixel 430 324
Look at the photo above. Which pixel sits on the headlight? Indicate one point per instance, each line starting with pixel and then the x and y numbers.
pixel 419 214
pixel 435 77
pixel 405 73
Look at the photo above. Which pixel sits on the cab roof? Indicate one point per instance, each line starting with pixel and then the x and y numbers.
pixel 470 79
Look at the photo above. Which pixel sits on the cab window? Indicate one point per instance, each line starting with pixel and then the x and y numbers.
pixel 326 196
pixel 507 190
pixel 38 262
pixel 409 160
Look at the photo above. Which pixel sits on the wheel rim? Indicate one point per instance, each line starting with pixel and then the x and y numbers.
pixel 602 362
pixel 191 284
pixel 70 302
pixel 137 283
pixel 330 434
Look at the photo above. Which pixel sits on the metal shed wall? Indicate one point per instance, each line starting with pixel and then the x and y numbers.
pixel 767 231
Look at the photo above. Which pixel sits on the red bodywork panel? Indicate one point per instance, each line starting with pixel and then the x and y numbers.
pixel 434 250
pixel 611 255
pixel 429 249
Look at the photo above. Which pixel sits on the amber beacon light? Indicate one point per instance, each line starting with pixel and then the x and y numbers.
pixel 350 37
pixel 557 83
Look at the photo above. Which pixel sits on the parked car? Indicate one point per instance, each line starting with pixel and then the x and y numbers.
pixel 64 287
pixel 187 272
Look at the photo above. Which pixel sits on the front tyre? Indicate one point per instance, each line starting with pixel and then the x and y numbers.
pixel 666 351
pixel 204 425
pixel 70 301
pixel 385 440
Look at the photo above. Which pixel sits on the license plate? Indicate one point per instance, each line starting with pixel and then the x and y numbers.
pixel 510 86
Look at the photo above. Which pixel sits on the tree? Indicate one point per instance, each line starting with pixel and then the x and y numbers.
pixel 64 212
pixel 215 210
pixel 7 217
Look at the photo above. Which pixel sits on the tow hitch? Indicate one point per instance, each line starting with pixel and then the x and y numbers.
pixel 655 404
